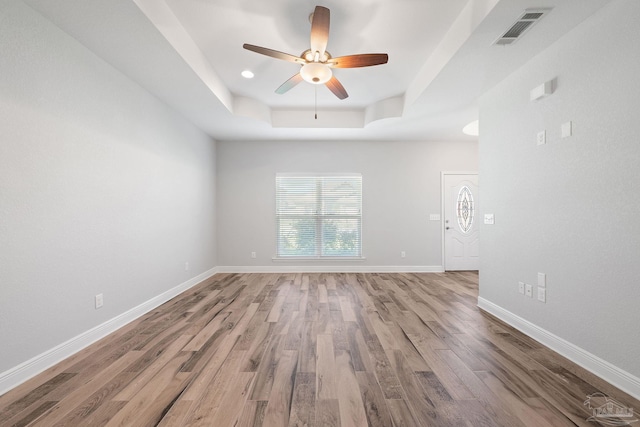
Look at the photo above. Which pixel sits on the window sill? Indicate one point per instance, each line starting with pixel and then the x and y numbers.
pixel 316 258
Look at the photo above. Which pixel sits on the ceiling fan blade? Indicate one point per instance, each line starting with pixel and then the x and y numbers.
pixel 320 30
pixel 355 61
pixel 336 87
pixel 274 53
pixel 289 84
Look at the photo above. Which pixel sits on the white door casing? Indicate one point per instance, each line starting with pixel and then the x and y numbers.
pixel 460 221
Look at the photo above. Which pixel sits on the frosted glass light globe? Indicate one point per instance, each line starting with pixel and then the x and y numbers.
pixel 316 73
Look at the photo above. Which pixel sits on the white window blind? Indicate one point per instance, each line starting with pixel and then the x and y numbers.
pixel 319 216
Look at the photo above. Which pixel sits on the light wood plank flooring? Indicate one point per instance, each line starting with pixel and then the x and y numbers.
pixel 313 350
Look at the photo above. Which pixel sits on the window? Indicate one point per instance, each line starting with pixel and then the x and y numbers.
pixel 319 216
pixel 464 209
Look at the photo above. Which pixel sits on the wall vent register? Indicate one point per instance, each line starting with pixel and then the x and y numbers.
pixel 528 18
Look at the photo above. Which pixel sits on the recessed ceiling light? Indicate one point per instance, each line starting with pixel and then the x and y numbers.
pixel 471 128
pixel 247 74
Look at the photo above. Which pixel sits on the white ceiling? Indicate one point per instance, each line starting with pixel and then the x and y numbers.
pixel 441 58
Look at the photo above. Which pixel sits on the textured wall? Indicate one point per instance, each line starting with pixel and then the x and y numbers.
pixel 103 190
pixel 569 208
pixel 401 187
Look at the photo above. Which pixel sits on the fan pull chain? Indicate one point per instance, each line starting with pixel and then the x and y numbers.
pixel 316 101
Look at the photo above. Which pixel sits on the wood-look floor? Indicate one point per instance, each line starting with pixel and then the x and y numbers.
pixel 313 350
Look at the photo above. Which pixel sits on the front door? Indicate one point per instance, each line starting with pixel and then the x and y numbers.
pixel 460 193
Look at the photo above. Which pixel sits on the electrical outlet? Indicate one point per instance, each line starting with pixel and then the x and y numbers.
pixel 403 254
pixel 253 255
pixel 542 295
pixel 99 300
pixel 521 287
pixel 541 137
pixel 528 290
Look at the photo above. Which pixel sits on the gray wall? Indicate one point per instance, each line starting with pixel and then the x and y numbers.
pixel 103 189
pixel 569 208
pixel 401 187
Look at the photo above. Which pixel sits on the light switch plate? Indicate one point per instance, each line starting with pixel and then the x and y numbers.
pixel 528 290
pixel 434 217
pixel 542 295
pixel 489 219
pixel 542 280
pixel 521 287
pixel 566 130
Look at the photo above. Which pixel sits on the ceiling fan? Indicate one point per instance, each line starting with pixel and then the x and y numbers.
pixel 317 62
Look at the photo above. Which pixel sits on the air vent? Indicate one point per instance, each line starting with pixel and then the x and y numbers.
pixel 521 26
pixel 530 16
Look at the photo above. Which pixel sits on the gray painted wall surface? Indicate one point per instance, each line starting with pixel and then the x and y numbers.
pixel 569 208
pixel 103 190
pixel 401 187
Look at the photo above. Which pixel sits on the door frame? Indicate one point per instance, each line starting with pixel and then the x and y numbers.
pixel 442 202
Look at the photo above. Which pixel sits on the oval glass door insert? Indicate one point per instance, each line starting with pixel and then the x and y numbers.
pixel 465 209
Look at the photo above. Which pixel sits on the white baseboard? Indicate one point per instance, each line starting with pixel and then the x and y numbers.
pixel 21 373
pixel 603 369
pixel 331 269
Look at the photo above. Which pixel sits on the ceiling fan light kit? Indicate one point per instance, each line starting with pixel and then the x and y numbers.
pixel 316 63
pixel 316 73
